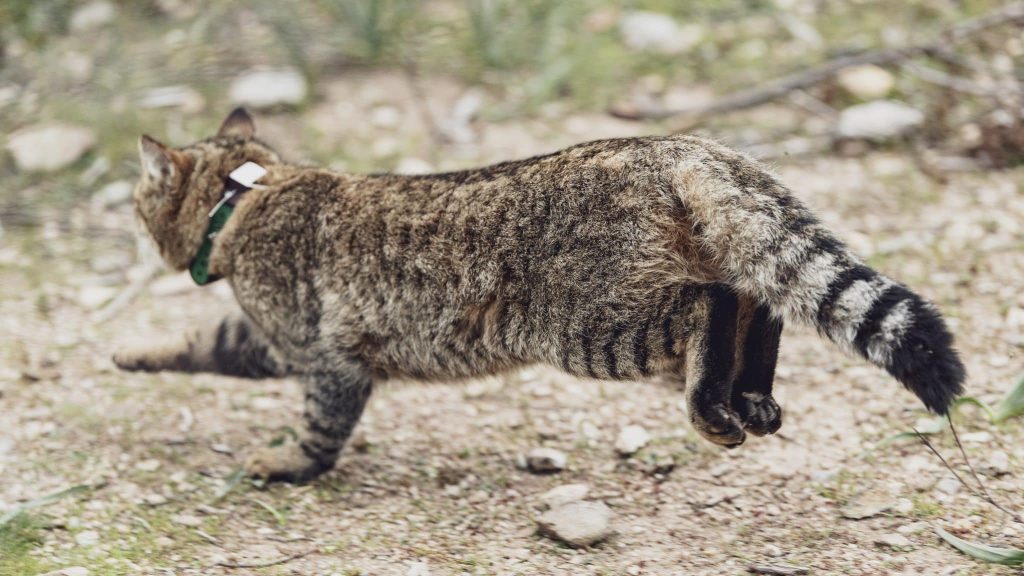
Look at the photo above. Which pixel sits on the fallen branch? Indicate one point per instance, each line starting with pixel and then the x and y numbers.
pixel 130 293
pixel 774 89
pixel 277 562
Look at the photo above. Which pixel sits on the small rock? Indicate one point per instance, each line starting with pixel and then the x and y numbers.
pixel 981 437
pixel 87 538
pixel 878 120
pixel 948 485
pixel 178 96
pixel 187 520
pixel 577 523
pixel 562 495
pixel 998 463
pixel 92 297
pixel 150 465
pixel 154 500
pixel 867 504
pixel 544 460
pixel 657 32
pixel 894 541
pixel 91 16
pixel 778 569
pixel 268 88
pixel 221 448
pixel 866 82
pixel 49 147
pixel 70 571
pixel 631 439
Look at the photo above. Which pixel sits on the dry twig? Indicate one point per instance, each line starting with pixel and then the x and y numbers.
pixel 779 87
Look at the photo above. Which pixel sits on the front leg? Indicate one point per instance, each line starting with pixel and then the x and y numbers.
pixel 757 344
pixel 232 346
pixel 334 402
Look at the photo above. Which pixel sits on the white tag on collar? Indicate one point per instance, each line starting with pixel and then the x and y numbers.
pixel 247 174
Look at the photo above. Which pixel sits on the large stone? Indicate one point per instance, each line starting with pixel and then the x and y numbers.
pixel 267 88
pixel 565 494
pixel 92 15
pixel 656 32
pixel 866 82
pixel 577 523
pixel 545 460
pixel 49 147
pixel 878 120
pixel 631 439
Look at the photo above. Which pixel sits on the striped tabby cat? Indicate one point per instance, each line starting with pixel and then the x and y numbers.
pixel 616 259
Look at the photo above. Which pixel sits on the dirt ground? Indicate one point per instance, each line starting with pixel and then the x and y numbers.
pixel 431 484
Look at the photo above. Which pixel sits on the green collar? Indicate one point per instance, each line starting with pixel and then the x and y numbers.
pixel 240 181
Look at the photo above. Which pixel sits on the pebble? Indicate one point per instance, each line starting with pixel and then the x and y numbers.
pixel 114 194
pixel 87 538
pixel 92 297
pixel 92 16
pixel 178 96
pixel 577 523
pixel 866 82
pixel 867 504
pixel 49 147
pixel 998 463
pixel 187 520
pixel 948 485
pixel 562 495
pixel 154 499
pixel 631 439
pixel 150 465
pixel 655 32
pixel 413 166
pixel 878 120
pixel 894 541
pixel 265 88
pixel 544 460
pixel 69 571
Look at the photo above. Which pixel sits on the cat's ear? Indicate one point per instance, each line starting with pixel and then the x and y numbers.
pixel 238 124
pixel 155 158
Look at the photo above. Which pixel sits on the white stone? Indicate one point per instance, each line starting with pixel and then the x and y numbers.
pixel 631 439
pixel 150 465
pixel 878 120
pixel 867 504
pixel 87 538
pixel 92 297
pixel 577 523
pixel 894 541
pixel 658 33
pixel 562 495
pixel 265 88
pixel 92 16
pixel 179 96
pixel 866 82
pixel 545 460
pixel 49 147
pixel 69 571
pixel 948 485
pixel 112 194
pixel 998 463
pixel 187 520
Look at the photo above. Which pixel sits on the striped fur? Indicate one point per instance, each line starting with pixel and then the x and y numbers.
pixel 617 259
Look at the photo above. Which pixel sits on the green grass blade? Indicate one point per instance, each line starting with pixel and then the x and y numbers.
pixel 43 501
pixel 983 552
pixel 1011 405
pixel 976 402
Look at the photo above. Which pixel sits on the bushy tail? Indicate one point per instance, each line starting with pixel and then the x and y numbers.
pixel 771 247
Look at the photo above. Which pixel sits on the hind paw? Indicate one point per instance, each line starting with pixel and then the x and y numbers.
pixel 718 424
pixel 760 414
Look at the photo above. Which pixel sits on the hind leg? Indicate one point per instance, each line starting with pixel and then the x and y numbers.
pixel 710 363
pixel 757 344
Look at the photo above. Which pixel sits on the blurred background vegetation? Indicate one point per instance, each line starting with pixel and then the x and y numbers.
pixel 167 66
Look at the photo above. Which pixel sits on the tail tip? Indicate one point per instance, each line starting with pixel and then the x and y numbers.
pixel 926 362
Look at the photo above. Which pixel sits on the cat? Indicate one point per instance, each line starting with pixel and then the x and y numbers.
pixel 616 259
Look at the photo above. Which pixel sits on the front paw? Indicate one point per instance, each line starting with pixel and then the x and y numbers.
pixel 286 463
pixel 760 414
pixel 717 423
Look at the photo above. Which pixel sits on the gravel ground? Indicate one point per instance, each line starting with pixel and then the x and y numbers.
pixel 433 483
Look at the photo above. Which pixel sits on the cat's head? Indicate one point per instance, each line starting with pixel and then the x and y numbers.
pixel 179 186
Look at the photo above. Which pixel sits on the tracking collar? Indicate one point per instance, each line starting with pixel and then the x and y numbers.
pixel 240 181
